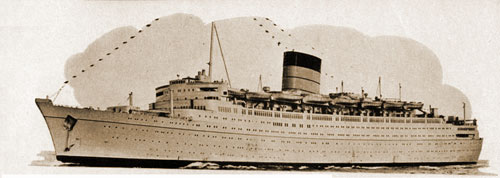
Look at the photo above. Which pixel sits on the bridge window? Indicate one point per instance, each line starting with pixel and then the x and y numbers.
pixel 208 89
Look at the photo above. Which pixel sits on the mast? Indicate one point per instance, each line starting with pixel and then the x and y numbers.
pixel 342 86
pixel 171 102
pixel 379 87
pixel 210 62
pixel 362 93
pixel 464 110
pixel 259 87
pixel 399 91
pixel 130 102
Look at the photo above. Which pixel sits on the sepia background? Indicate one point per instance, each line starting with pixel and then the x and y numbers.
pixel 442 52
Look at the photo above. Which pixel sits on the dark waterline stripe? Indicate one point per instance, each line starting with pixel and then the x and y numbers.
pixel 130 162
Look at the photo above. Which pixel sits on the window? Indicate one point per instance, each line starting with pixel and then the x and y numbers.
pixel 397 120
pixel 208 89
pixel 211 98
pixel 418 121
pixel 292 116
pixel 350 119
pixel 376 119
pixel 322 118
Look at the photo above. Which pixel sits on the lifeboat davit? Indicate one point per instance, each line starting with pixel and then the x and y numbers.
pixel 286 97
pixel 316 99
pixel 260 96
pixel 413 105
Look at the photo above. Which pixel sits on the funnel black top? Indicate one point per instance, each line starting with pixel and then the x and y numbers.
pixel 302 60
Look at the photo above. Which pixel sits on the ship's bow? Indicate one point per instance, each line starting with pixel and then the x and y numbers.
pixel 56 123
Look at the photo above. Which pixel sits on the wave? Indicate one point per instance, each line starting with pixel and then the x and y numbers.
pixel 49 159
pixel 303 167
pixel 429 167
pixel 201 165
pixel 239 167
pixel 373 167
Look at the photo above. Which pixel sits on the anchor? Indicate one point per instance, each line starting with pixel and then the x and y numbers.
pixel 69 123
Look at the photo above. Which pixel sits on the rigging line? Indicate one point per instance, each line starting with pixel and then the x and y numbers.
pixel 101 59
pixel 59 91
pixel 222 54
pixel 92 65
pixel 123 101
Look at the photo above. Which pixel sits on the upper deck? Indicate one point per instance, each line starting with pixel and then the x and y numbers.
pixel 200 93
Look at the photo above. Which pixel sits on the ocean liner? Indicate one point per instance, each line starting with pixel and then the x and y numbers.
pixel 203 120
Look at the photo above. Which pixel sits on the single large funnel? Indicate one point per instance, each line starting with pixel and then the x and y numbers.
pixel 301 72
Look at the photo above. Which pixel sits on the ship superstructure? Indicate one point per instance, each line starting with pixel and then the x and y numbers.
pixel 199 119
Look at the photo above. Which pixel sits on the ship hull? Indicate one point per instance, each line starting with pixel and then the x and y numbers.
pixel 110 138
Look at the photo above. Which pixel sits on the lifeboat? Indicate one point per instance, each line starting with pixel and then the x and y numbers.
pixel 393 104
pixel 236 93
pixel 344 98
pixel 413 105
pixel 259 96
pixel 369 103
pixel 316 99
pixel 354 96
pixel 286 97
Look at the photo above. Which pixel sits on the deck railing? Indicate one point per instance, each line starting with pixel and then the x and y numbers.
pixel 335 117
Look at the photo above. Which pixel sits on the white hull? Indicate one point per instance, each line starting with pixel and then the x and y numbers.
pixel 235 137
